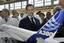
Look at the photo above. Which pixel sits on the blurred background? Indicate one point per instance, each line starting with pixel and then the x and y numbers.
pixel 19 5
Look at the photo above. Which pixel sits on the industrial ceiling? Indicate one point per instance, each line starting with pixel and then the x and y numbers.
pixel 9 1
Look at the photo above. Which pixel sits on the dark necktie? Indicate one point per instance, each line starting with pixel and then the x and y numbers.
pixel 32 20
pixel 33 24
pixel 5 19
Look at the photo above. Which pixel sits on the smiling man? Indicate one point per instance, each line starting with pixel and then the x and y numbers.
pixel 30 22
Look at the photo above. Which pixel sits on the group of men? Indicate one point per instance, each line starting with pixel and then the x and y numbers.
pixel 29 22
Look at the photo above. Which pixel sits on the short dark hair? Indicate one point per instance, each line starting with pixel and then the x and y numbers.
pixel 6 10
pixel 38 12
pixel 29 5
pixel 0 11
pixel 56 9
pixel 14 11
pixel 48 13
pixel 42 14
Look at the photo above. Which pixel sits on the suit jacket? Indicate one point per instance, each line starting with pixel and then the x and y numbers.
pixel 26 24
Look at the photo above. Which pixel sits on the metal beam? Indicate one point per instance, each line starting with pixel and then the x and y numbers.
pixel 9 1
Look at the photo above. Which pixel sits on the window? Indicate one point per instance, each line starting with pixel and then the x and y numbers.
pixel 18 5
pixel 12 6
pixel 47 2
pixel 7 6
pixel 38 3
pixel 1 7
pixel 56 2
pixel 24 3
pixel 31 1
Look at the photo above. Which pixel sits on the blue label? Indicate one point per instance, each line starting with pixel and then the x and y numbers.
pixel 49 28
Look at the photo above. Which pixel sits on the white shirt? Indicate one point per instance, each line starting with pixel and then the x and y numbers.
pixel 38 17
pixel 0 19
pixel 20 18
pixel 11 21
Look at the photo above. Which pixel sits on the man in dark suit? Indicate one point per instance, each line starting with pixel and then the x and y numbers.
pixel 30 22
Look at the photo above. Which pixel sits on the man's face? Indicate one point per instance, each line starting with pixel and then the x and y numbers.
pixel 48 16
pixel 5 14
pixel 30 10
pixel 0 13
pixel 16 14
pixel 62 3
